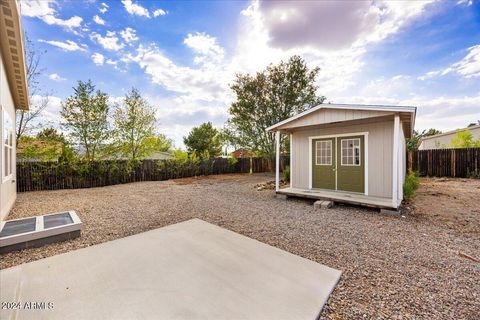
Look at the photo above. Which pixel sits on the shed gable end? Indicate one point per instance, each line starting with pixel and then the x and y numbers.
pixel 330 115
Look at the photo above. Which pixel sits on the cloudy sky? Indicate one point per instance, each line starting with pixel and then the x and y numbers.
pixel 183 55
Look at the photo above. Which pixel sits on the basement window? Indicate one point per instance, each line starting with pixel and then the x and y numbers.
pixel 37 231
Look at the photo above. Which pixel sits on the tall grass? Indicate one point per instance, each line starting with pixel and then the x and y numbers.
pixel 286 173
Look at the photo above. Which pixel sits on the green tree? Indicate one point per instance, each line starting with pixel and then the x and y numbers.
pixel 465 139
pixel 276 93
pixel 85 116
pixel 51 134
pixel 135 122
pixel 204 141
pixel 159 142
pixel 414 141
pixel 32 148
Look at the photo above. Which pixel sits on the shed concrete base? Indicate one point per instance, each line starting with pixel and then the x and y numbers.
pixel 391 212
pixel 322 204
pixel 190 270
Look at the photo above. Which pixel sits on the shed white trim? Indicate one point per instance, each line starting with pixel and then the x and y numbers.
pixel 396 138
pixel 277 162
pixel 291 159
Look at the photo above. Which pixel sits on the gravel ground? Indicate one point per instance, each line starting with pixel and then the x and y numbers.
pixel 393 267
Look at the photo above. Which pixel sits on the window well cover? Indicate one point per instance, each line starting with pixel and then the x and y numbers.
pixel 56 220
pixel 18 226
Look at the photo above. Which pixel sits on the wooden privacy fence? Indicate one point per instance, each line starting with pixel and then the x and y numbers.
pixel 35 176
pixel 461 163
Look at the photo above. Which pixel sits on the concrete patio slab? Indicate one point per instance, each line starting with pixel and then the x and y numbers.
pixel 189 270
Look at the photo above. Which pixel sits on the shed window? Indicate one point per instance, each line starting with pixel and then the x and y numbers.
pixel 350 152
pixel 7 142
pixel 324 153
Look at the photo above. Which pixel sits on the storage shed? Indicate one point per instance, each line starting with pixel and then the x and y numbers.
pixel 347 153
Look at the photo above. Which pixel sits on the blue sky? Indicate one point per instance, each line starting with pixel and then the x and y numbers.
pixel 182 55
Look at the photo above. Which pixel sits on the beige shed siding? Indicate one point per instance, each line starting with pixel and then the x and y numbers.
pixel 333 115
pixel 7 188
pixel 380 145
pixel 444 141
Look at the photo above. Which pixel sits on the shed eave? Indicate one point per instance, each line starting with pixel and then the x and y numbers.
pixel 398 109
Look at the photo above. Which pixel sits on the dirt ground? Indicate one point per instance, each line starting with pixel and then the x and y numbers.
pixel 451 203
pixel 421 266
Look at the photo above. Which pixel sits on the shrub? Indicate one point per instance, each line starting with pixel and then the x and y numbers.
pixel 411 185
pixel 286 173
pixel 475 174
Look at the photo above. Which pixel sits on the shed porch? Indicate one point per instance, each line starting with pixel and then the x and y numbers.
pixel 338 196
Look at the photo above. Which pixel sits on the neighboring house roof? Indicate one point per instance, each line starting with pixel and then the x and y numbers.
pixel 242 153
pixel 411 111
pixel 160 155
pixel 449 133
pixel 12 51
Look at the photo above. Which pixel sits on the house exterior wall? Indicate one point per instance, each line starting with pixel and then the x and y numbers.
pixel 8 187
pixel 444 141
pixel 333 115
pixel 380 153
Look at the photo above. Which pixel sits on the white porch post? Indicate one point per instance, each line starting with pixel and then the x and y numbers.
pixel 277 162
pixel 396 132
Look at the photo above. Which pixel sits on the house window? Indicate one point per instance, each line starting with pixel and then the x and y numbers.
pixel 7 142
pixel 350 152
pixel 324 153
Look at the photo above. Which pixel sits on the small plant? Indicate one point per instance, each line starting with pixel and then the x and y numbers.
pixel 286 173
pixel 475 174
pixel 410 185
pixel 232 161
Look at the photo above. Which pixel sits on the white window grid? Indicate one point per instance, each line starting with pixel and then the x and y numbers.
pixel 350 152
pixel 323 155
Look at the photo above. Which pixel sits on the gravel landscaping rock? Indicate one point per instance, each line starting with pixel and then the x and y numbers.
pixel 393 267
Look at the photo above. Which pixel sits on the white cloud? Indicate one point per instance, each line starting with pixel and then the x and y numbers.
pixel 135 9
pixel 159 12
pixel 433 111
pixel 315 24
pixel 276 30
pixel 468 67
pixel 56 77
pixel 205 46
pixel 442 113
pixel 68 45
pixel 98 58
pixel 208 82
pixel 104 7
pixel 98 20
pixel 43 10
pixel 37 8
pixel 51 114
pixel 129 35
pixel 110 41
pixel 468 3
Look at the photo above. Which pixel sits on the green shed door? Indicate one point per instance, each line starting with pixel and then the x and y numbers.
pixel 323 163
pixel 351 164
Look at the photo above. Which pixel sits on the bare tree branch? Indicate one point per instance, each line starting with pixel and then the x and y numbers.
pixel 26 120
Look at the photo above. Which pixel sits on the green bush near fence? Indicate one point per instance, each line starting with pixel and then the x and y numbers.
pixel 410 185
